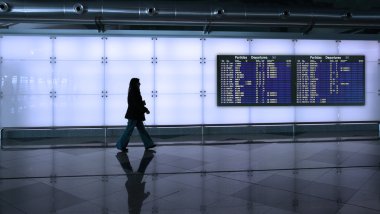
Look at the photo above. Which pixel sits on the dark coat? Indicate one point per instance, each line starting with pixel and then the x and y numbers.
pixel 136 106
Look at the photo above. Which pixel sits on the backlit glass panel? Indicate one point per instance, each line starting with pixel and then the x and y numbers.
pixel 178 49
pixel 129 48
pixel 26 47
pixel 175 77
pixel 79 48
pixel 180 109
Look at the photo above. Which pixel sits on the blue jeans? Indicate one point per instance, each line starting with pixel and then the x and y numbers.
pixel 124 139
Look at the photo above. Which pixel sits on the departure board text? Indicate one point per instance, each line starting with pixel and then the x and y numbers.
pixel 290 80
pixel 330 80
pixel 255 80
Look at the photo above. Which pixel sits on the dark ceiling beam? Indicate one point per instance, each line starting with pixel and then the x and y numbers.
pixel 179 13
pixel 353 31
pixel 6 25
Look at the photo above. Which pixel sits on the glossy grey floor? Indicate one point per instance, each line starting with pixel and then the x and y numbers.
pixel 318 177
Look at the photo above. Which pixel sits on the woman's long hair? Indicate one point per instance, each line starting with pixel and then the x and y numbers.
pixel 134 86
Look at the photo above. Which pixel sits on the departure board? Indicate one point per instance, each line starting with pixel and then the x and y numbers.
pixel 254 80
pixel 250 80
pixel 330 80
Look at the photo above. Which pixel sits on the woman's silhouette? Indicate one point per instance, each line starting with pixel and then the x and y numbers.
pixel 135 116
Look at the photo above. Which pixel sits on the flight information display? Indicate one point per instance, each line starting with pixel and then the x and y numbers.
pixel 254 80
pixel 330 80
pixel 250 80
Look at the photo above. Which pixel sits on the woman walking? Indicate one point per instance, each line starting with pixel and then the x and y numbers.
pixel 135 115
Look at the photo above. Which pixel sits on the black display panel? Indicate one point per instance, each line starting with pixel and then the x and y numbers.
pixel 251 80
pixel 254 80
pixel 330 80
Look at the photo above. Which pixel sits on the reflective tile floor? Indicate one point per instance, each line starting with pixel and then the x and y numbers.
pixel 318 177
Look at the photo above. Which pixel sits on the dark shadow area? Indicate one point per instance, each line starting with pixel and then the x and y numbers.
pixel 14 138
pixel 135 185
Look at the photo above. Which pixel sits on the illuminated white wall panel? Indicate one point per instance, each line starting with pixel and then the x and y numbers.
pixel 369 112
pixel 115 108
pixel 178 49
pixel 78 110
pixel 371 75
pixel 178 77
pixel 129 48
pixel 118 74
pixel 26 47
pixel 316 47
pixel 316 114
pixel 79 48
pixel 78 77
pixel 25 87
pixel 214 114
pixel 367 48
pixel 269 114
pixel 26 77
pixel 26 110
pixel 214 47
pixel 272 46
pixel 209 77
pixel 178 109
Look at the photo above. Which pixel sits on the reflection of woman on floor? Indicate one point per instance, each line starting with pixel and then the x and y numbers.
pixel 135 186
pixel 135 115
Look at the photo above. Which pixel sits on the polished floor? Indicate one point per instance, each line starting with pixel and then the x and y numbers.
pixel 310 177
